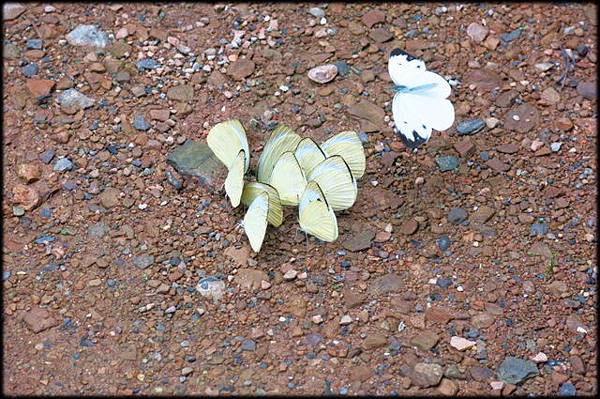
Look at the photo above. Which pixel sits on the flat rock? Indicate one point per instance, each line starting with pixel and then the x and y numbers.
pixel 457 215
pixel 388 283
pixel 522 119
pixel 425 340
pixel 73 98
pixel 497 165
pixel 409 227
pixel 353 298
pixel 87 35
pixel 381 35
pixel 250 279
pixel 507 148
pixel 366 111
pixel 238 255
pixel 483 79
pixel 143 261
pixel 588 90
pixel 373 17
pixel 40 87
pixel 12 11
pixel 197 159
pixel 461 344
pixel 374 341
pixel 482 214
pixel 109 198
pixel 514 370
pixel 38 320
pixel 183 93
pixel 241 69
pixel 359 241
pixel 446 163
pixel 426 374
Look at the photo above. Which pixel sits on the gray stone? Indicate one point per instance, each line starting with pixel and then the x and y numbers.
pixel 457 215
pixel 139 122
pixel 30 70
pixel 35 44
pixel 342 67
pixel 446 162
pixel 539 229
pixel 470 126
pixel 147 64
pixel 567 389
pixel 47 156
pixel 143 261
pixel 87 35
pixel 514 370
pixel 10 51
pixel 97 230
pixel 509 37
pixel 73 98
pixel 316 12
pixel 63 164
pixel 248 345
pixel 555 147
pixel 588 90
pixel 197 159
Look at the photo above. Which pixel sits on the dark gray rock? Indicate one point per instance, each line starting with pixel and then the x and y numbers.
pixel 457 215
pixel 509 37
pixel 197 159
pixel 514 370
pixel 30 70
pixel 447 162
pixel 35 44
pixel 470 126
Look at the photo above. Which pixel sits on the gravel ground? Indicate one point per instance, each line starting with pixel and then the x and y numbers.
pixel 465 268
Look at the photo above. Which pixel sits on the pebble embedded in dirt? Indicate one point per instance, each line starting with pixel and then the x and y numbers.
pixel 323 74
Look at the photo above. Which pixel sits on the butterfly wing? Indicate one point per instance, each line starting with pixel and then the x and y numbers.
pixel 315 215
pixel 288 179
pixel 281 140
pixel 309 154
pixel 253 189
pixel 234 183
pixel 226 139
pixel 255 221
pixel 402 66
pixel 336 181
pixel 416 115
pixel 348 146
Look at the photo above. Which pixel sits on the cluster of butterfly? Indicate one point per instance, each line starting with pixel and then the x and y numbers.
pixel 291 171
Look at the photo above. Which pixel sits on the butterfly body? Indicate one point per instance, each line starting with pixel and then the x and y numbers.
pixel 420 101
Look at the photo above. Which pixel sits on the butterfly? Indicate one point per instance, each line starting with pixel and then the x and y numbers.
pixel 315 215
pixel 420 101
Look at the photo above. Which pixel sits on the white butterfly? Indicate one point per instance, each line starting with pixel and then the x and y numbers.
pixel 420 103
